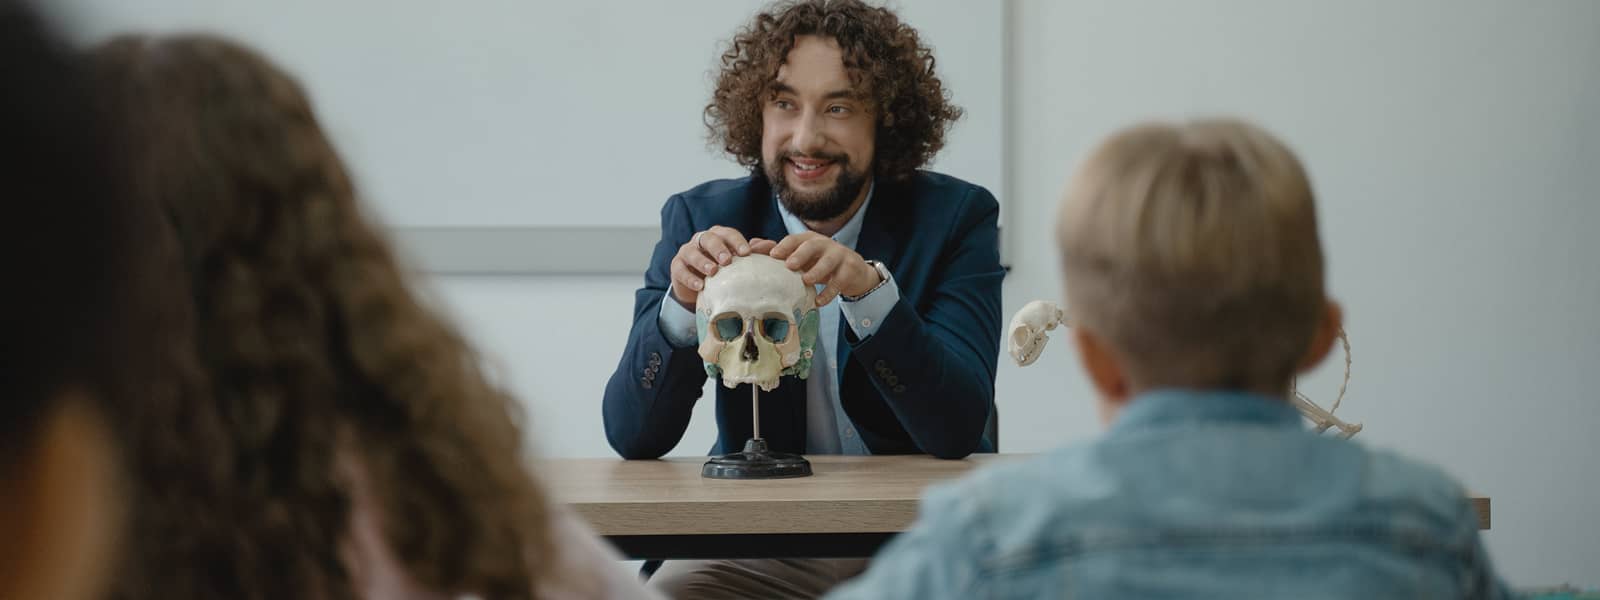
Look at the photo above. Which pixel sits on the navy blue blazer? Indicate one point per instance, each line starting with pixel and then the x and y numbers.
pixel 923 383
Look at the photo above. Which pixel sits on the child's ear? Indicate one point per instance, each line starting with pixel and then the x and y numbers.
pixel 1104 370
pixel 1327 333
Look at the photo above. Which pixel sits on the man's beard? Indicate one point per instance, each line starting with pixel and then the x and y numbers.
pixel 823 205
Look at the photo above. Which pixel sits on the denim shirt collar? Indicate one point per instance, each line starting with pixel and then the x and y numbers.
pixel 1169 407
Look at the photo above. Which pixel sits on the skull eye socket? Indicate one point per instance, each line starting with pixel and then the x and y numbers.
pixel 775 329
pixel 728 327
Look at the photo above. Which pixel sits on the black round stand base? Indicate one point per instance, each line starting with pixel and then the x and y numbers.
pixel 756 462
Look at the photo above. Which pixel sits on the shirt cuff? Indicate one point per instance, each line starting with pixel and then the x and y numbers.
pixel 677 323
pixel 866 315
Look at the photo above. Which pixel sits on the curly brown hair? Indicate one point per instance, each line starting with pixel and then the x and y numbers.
pixel 886 61
pixel 314 351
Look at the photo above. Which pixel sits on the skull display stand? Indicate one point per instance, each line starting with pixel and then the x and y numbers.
pixel 756 461
pixel 1028 337
pixel 757 321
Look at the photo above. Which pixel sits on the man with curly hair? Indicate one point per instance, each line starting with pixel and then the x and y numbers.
pixel 835 106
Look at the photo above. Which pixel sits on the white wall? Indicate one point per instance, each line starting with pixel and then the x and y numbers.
pixel 555 341
pixel 484 112
pixel 1455 148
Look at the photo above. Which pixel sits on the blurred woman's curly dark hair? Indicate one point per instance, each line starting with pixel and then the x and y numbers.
pixel 886 61
pixel 314 350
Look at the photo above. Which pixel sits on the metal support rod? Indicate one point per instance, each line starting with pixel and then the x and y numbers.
pixel 755 409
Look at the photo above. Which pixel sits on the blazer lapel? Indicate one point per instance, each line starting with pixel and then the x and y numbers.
pixel 877 231
pixel 875 243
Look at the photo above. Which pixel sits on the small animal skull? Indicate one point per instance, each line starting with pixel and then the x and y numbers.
pixel 1028 329
pixel 756 321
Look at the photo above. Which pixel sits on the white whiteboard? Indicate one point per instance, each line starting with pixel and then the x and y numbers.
pixel 516 113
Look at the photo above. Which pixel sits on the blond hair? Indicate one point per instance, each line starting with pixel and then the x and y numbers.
pixel 1192 251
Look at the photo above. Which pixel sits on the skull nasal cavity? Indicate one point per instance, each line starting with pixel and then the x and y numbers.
pixel 750 352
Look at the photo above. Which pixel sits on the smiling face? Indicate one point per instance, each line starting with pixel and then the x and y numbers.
pixel 818 135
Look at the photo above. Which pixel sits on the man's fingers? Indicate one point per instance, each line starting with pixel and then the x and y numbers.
pixel 731 239
pixel 827 295
pixel 789 243
pixel 761 246
pixel 686 277
pixel 808 252
pixel 823 268
pixel 696 260
pixel 716 247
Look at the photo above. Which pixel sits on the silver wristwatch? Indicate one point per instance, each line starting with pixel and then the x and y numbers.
pixel 883 277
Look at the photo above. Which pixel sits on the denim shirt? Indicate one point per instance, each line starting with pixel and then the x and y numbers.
pixel 1193 495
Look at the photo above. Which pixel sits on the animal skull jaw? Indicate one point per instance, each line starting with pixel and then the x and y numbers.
pixel 1028 339
pixel 1321 419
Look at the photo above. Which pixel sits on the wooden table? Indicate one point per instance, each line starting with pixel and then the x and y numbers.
pixel 849 508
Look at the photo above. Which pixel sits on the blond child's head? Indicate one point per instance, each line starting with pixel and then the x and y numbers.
pixel 1191 260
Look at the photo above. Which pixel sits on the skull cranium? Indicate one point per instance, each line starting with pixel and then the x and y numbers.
pixel 756 321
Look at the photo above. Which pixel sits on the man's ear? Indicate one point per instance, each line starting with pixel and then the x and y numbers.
pixel 1322 340
pixel 1101 363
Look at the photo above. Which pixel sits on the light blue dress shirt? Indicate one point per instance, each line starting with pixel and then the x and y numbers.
pixel 828 429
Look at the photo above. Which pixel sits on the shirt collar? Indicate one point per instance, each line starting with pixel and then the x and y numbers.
pixel 847 235
pixel 1181 406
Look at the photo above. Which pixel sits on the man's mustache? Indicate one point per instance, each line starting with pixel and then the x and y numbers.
pixel 838 158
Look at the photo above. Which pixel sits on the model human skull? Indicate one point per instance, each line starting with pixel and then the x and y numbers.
pixel 757 321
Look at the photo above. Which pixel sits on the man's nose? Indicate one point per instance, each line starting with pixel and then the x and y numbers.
pixel 809 138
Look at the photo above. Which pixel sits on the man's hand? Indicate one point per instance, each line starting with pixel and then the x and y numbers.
pixel 700 258
pixel 821 260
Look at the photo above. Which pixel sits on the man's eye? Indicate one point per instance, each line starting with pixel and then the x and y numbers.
pixel 838 110
pixel 783 104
